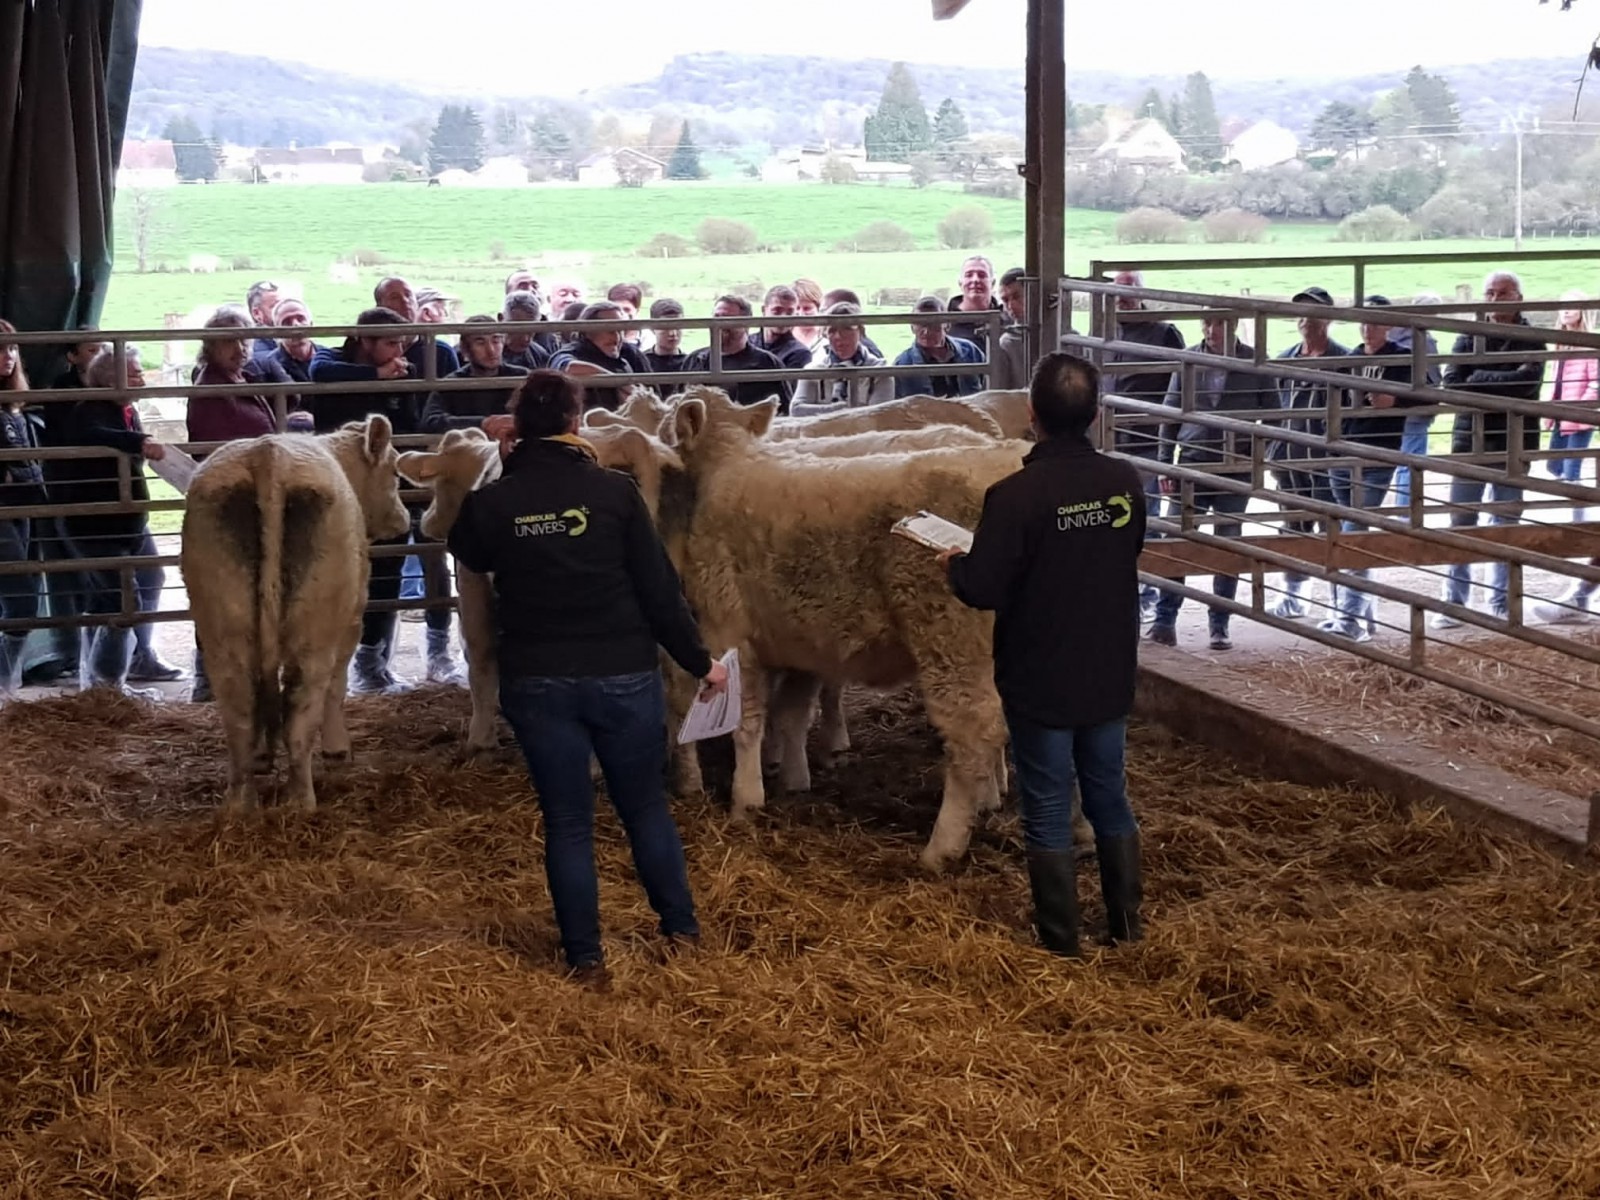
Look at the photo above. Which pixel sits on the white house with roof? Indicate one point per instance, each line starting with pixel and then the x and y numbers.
pixel 611 167
pixel 1264 144
pixel 147 165
pixel 312 164
pixel 1144 145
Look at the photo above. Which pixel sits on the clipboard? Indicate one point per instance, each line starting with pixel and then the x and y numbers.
pixel 934 532
pixel 720 714
pixel 175 467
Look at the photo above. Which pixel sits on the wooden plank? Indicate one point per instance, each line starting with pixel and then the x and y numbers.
pixel 1173 558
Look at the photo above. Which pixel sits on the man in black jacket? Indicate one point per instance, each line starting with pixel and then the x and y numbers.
pixel 740 354
pixel 584 593
pixel 455 408
pixel 1056 557
pixel 1510 380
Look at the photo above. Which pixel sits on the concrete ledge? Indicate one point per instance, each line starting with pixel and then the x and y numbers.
pixel 1210 704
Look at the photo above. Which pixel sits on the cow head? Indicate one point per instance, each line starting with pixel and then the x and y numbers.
pixel 365 450
pixel 464 461
pixel 704 413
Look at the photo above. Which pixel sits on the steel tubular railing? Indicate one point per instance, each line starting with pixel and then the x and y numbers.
pixel 1239 439
pixel 121 466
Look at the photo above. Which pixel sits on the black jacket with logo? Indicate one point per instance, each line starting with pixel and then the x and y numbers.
pixel 583 586
pixel 1056 557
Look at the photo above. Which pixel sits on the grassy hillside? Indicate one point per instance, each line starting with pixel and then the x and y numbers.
pixel 464 241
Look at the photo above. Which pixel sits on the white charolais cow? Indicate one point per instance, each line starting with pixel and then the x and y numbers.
pixel 464 461
pixel 911 412
pixel 790 559
pixel 276 533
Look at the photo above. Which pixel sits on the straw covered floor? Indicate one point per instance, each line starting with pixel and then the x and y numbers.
pixel 1334 1000
pixel 1373 696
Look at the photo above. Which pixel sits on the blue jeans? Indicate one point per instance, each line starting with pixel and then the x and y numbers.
pixel 1226 586
pixel 1049 761
pixel 621 720
pixel 1467 492
pixel 1413 440
pixel 1367 493
pixel 1569 469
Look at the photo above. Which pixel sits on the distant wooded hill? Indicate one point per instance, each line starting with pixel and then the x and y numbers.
pixel 732 97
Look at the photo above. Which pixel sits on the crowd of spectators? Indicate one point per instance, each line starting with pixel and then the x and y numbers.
pixel 831 362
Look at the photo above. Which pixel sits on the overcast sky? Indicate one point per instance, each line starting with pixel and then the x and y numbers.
pixel 528 47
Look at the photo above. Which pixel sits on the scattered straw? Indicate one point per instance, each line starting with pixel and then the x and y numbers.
pixel 1333 1000
pixel 1369 696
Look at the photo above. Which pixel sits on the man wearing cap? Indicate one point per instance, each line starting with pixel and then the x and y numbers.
pixel 1373 418
pixel 1298 470
pixel 932 344
pixel 1509 380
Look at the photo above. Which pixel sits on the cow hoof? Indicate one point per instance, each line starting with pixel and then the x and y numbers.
pixel 796 781
pixel 744 812
pixel 934 864
pixel 336 758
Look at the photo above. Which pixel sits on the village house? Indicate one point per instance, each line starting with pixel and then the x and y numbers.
pixel 612 167
pixel 147 165
pixel 315 164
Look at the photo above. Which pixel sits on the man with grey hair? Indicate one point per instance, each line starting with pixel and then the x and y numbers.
pixel 1509 380
pixel 260 300
pixel 525 350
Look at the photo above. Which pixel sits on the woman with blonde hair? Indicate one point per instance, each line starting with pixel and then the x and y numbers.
pixel 1577 381
pixel 21 485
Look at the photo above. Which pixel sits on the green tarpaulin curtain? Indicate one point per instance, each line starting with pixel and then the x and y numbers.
pixel 66 71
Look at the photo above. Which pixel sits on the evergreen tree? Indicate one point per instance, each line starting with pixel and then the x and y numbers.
pixel 1176 117
pixel 1395 114
pixel 899 128
pixel 1151 105
pixel 685 162
pixel 1339 126
pixel 506 130
pixel 196 157
pixel 457 140
pixel 1438 113
pixel 950 126
pixel 1202 130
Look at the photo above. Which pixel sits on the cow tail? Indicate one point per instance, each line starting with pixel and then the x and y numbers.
pixel 269 602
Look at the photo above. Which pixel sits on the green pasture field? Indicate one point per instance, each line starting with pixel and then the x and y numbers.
pixel 464 241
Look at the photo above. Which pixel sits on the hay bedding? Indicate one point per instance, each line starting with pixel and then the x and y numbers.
pixel 1370 695
pixel 1334 1001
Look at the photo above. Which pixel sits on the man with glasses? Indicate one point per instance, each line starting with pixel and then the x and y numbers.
pixel 261 299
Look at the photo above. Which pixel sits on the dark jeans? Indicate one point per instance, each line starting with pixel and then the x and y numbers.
pixel 1368 492
pixel 382 584
pixel 1226 586
pixel 621 720
pixel 19 594
pixel 1049 761
pixel 1310 484
pixel 1569 469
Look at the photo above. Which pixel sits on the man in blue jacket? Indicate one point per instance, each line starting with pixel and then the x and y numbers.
pixel 1055 556
pixel 933 345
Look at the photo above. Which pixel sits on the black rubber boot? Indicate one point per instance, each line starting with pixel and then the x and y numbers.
pixel 200 692
pixel 1121 886
pixel 1053 875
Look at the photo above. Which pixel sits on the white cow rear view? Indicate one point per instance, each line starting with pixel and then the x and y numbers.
pixel 275 539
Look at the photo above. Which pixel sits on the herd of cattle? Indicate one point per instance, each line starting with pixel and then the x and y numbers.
pixel 779 527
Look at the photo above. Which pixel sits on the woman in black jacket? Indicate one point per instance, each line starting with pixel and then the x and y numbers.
pixel 584 594
pixel 21 485
pixel 106 652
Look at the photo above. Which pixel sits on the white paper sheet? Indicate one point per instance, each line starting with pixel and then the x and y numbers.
pixel 174 466
pixel 718 715
pixel 934 532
